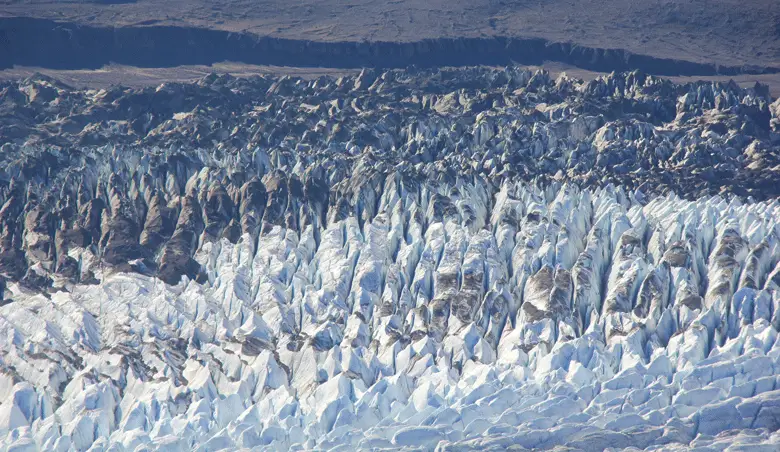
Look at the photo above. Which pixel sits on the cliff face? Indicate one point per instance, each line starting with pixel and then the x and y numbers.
pixel 45 43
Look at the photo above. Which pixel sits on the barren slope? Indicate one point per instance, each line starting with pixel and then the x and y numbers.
pixel 728 32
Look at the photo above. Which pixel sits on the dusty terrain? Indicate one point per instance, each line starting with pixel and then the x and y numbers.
pixel 115 75
pixel 728 32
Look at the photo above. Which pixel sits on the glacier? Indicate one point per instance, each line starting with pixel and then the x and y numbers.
pixel 337 273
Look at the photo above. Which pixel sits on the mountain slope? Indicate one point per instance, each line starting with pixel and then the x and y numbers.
pixel 726 32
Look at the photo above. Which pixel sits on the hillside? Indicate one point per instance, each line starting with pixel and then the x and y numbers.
pixel 724 32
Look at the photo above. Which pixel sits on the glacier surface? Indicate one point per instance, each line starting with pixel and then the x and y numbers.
pixel 334 297
pixel 576 318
